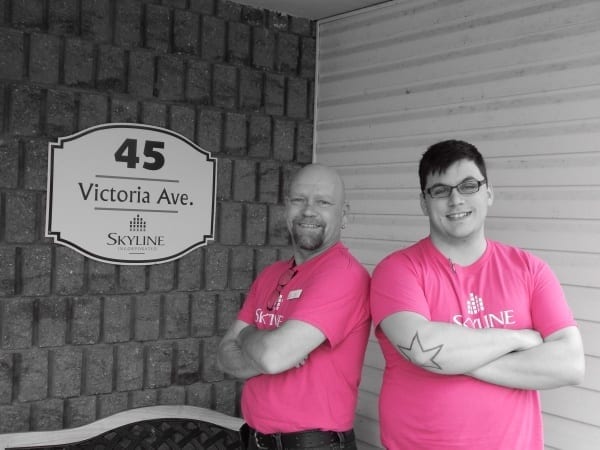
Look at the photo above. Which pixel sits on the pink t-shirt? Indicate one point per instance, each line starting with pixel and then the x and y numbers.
pixel 330 292
pixel 506 288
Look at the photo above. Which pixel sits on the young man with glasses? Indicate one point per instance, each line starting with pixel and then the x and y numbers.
pixel 470 328
pixel 300 337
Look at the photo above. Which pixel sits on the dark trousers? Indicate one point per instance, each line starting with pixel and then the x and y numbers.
pixel 282 441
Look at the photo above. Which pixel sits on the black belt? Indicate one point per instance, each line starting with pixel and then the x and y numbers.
pixel 300 439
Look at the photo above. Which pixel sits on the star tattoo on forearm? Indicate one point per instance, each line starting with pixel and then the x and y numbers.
pixel 420 356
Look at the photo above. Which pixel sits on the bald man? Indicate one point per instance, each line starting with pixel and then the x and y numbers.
pixel 299 340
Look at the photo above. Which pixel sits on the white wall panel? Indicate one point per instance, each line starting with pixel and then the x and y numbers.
pixel 518 78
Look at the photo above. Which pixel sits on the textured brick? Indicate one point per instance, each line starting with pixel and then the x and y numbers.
pixel 236 131
pixel 278 21
pixel 203 314
pixel 36 164
pixel 47 415
pixel 52 321
pixel 297 98
pixel 6 377
pixel 15 418
pixel 198 87
pixel 98 370
pixel 128 23
pixel 288 52
pixel 32 370
pixel 111 404
pixel 110 75
pixel 124 110
pixel 169 79
pixel 80 411
pixel 36 270
pixel 210 368
pixel 43 58
pixel 154 114
pixel 308 57
pixel 173 395
pixel 95 20
pixel 85 320
pixel 68 269
pixel 228 308
pixel 228 10
pixel 264 257
pixel 101 277
pixel 274 94
pixel 263 45
pixel 79 63
pixel 186 32
pixel 93 110
pixel 7 270
pixel 301 25
pixel 251 89
pixel 242 268
pixel 191 268
pixel 130 367
pixel 310 100
pixel 60 113
pixel 141 73
pixel 238 43
pixel 255 16
pixel 17 322
pixel 244 180
pixel 278 234
pixel 28 13
pixel 210 130
pixel 183 120
pixel 159 357
pixel 162 277
pixel 157 29
pixel 132 278
pixel 217 259
pixel 268 182
pixel 304 142
pixel 141 399
pixel 66 364
pixel 26 104
pixel 224 179
pixel 284 137
pixel 259 141
pixel 20 217
pixel 147 317
pixel 178 4
pixel 63 17
pixel 213 38
pixel 9 163
pixel 203 6
pixel 12 54
pixel 256 224
pixel 199 394
pixel 117 319
pixel 230 223
pixel 177 315
pixel 226 398
pixel 187 368
pixel 224 86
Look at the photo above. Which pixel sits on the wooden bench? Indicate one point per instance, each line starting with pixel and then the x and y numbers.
pixel 176 427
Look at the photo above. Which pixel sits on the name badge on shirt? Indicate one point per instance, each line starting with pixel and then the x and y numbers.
pixel 293 295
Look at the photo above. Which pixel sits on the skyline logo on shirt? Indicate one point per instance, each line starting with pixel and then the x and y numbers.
pixel 476 319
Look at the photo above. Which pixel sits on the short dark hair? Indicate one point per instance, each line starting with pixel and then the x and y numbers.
pixel 442 155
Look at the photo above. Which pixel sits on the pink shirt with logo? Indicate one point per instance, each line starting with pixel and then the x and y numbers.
pixel 330 292
pixel 506 288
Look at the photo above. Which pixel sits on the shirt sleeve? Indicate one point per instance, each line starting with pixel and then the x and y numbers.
pixel 396 286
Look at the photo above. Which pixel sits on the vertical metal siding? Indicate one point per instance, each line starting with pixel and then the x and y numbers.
pixel 521 80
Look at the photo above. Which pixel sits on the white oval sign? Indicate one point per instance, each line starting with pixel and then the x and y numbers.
pixel 126 193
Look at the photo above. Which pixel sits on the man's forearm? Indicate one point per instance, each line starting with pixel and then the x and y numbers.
pixel 233 361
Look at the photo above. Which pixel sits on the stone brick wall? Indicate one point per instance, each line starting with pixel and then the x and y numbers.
pixel 80 339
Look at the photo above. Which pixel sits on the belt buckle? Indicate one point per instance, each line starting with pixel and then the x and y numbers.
pixel 258 444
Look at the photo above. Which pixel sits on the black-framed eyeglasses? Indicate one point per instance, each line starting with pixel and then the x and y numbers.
pixel 284 279
pixel 466 187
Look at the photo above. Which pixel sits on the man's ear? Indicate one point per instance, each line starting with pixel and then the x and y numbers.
pixel 424 206
pixel 345 212
pixel 490 192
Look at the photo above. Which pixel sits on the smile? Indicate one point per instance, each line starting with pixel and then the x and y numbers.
pixel 458 216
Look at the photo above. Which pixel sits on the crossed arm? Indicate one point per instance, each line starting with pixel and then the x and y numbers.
pixel 245 351
pixel 511 358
